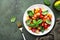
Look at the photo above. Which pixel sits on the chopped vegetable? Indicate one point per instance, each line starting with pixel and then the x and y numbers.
pixel 39 21
pixel 45 12
pixel 32 25
pixel 48 21
pixel 30 13
pixel 37 31
pixel 33 30
pixel 47 2
pixel 29 28
pixel 42 29
pixel 28 22
pixel 13 19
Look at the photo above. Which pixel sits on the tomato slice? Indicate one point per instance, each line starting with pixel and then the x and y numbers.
pixel 45 26
pixel 33 29
pixel 40 11
pixel 41 16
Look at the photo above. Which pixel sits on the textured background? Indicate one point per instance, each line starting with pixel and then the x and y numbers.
pixel 10 31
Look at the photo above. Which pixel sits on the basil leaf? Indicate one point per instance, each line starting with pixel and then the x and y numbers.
pixel 45 12
pixel 13 19
pixel 34 21
pixel 47 2
pixel 30 13
pixel 32 25
pixel 39 21
pixel 28 22
pixel 48 21
pixel 42 29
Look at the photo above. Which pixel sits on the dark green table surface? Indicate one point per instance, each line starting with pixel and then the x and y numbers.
pixel 8 8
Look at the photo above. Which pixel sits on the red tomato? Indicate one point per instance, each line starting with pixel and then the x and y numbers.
pixel 44 18
pixel 33 29
pixel 45 26
pixel 41 16
pixel 40 11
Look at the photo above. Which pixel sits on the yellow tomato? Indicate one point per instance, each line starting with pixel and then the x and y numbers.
pixel 29 28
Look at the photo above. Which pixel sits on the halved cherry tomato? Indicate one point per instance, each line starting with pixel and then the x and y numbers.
pixel 46 18
pixel 40 11
pixel 41 16
pixel 33 29
pixel 36 10
pixel 49 15
pixel 45 26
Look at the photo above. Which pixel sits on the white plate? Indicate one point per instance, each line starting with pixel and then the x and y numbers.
pixel 39 6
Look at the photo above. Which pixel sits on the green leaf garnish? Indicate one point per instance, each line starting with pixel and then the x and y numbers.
pixel 45 12
pixel 47 2
pixel 30 13
pixel 39 21
pixel 28 22
pixel 42 29
pixel 13 19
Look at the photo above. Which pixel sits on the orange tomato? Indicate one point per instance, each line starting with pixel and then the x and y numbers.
pixel 49 15
pixel 29 28
pixel 37 31
pixel 44 18
pixel 38 28
pixel 36 10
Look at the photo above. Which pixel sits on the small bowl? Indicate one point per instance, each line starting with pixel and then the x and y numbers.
pixel 39 6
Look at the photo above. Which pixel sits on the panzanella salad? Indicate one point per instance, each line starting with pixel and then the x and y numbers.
pixel 38 20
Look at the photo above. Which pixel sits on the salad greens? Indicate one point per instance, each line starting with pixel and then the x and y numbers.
pixel 45 12
pixel 30 13
pixel 42 29
pixel 34 24
pixel 39 20
pixel 28 22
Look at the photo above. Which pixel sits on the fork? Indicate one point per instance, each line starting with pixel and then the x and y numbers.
pixel 22 33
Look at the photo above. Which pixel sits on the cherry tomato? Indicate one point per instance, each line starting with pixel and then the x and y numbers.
pixel 29 28
pixel 41 16
pixel 44 18
pixel 33 17
pixel 33 29
pixel 40 11
pixel 36 10
pixel 49 15
pixel 43 24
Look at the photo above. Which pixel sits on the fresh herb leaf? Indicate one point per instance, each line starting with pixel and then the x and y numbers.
pixel 28 22
pixel 13 19
pixel 47 2
pixel 42 29
pixel 32 25
pixel 30 13
pixel 45 12
pixel 39 21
